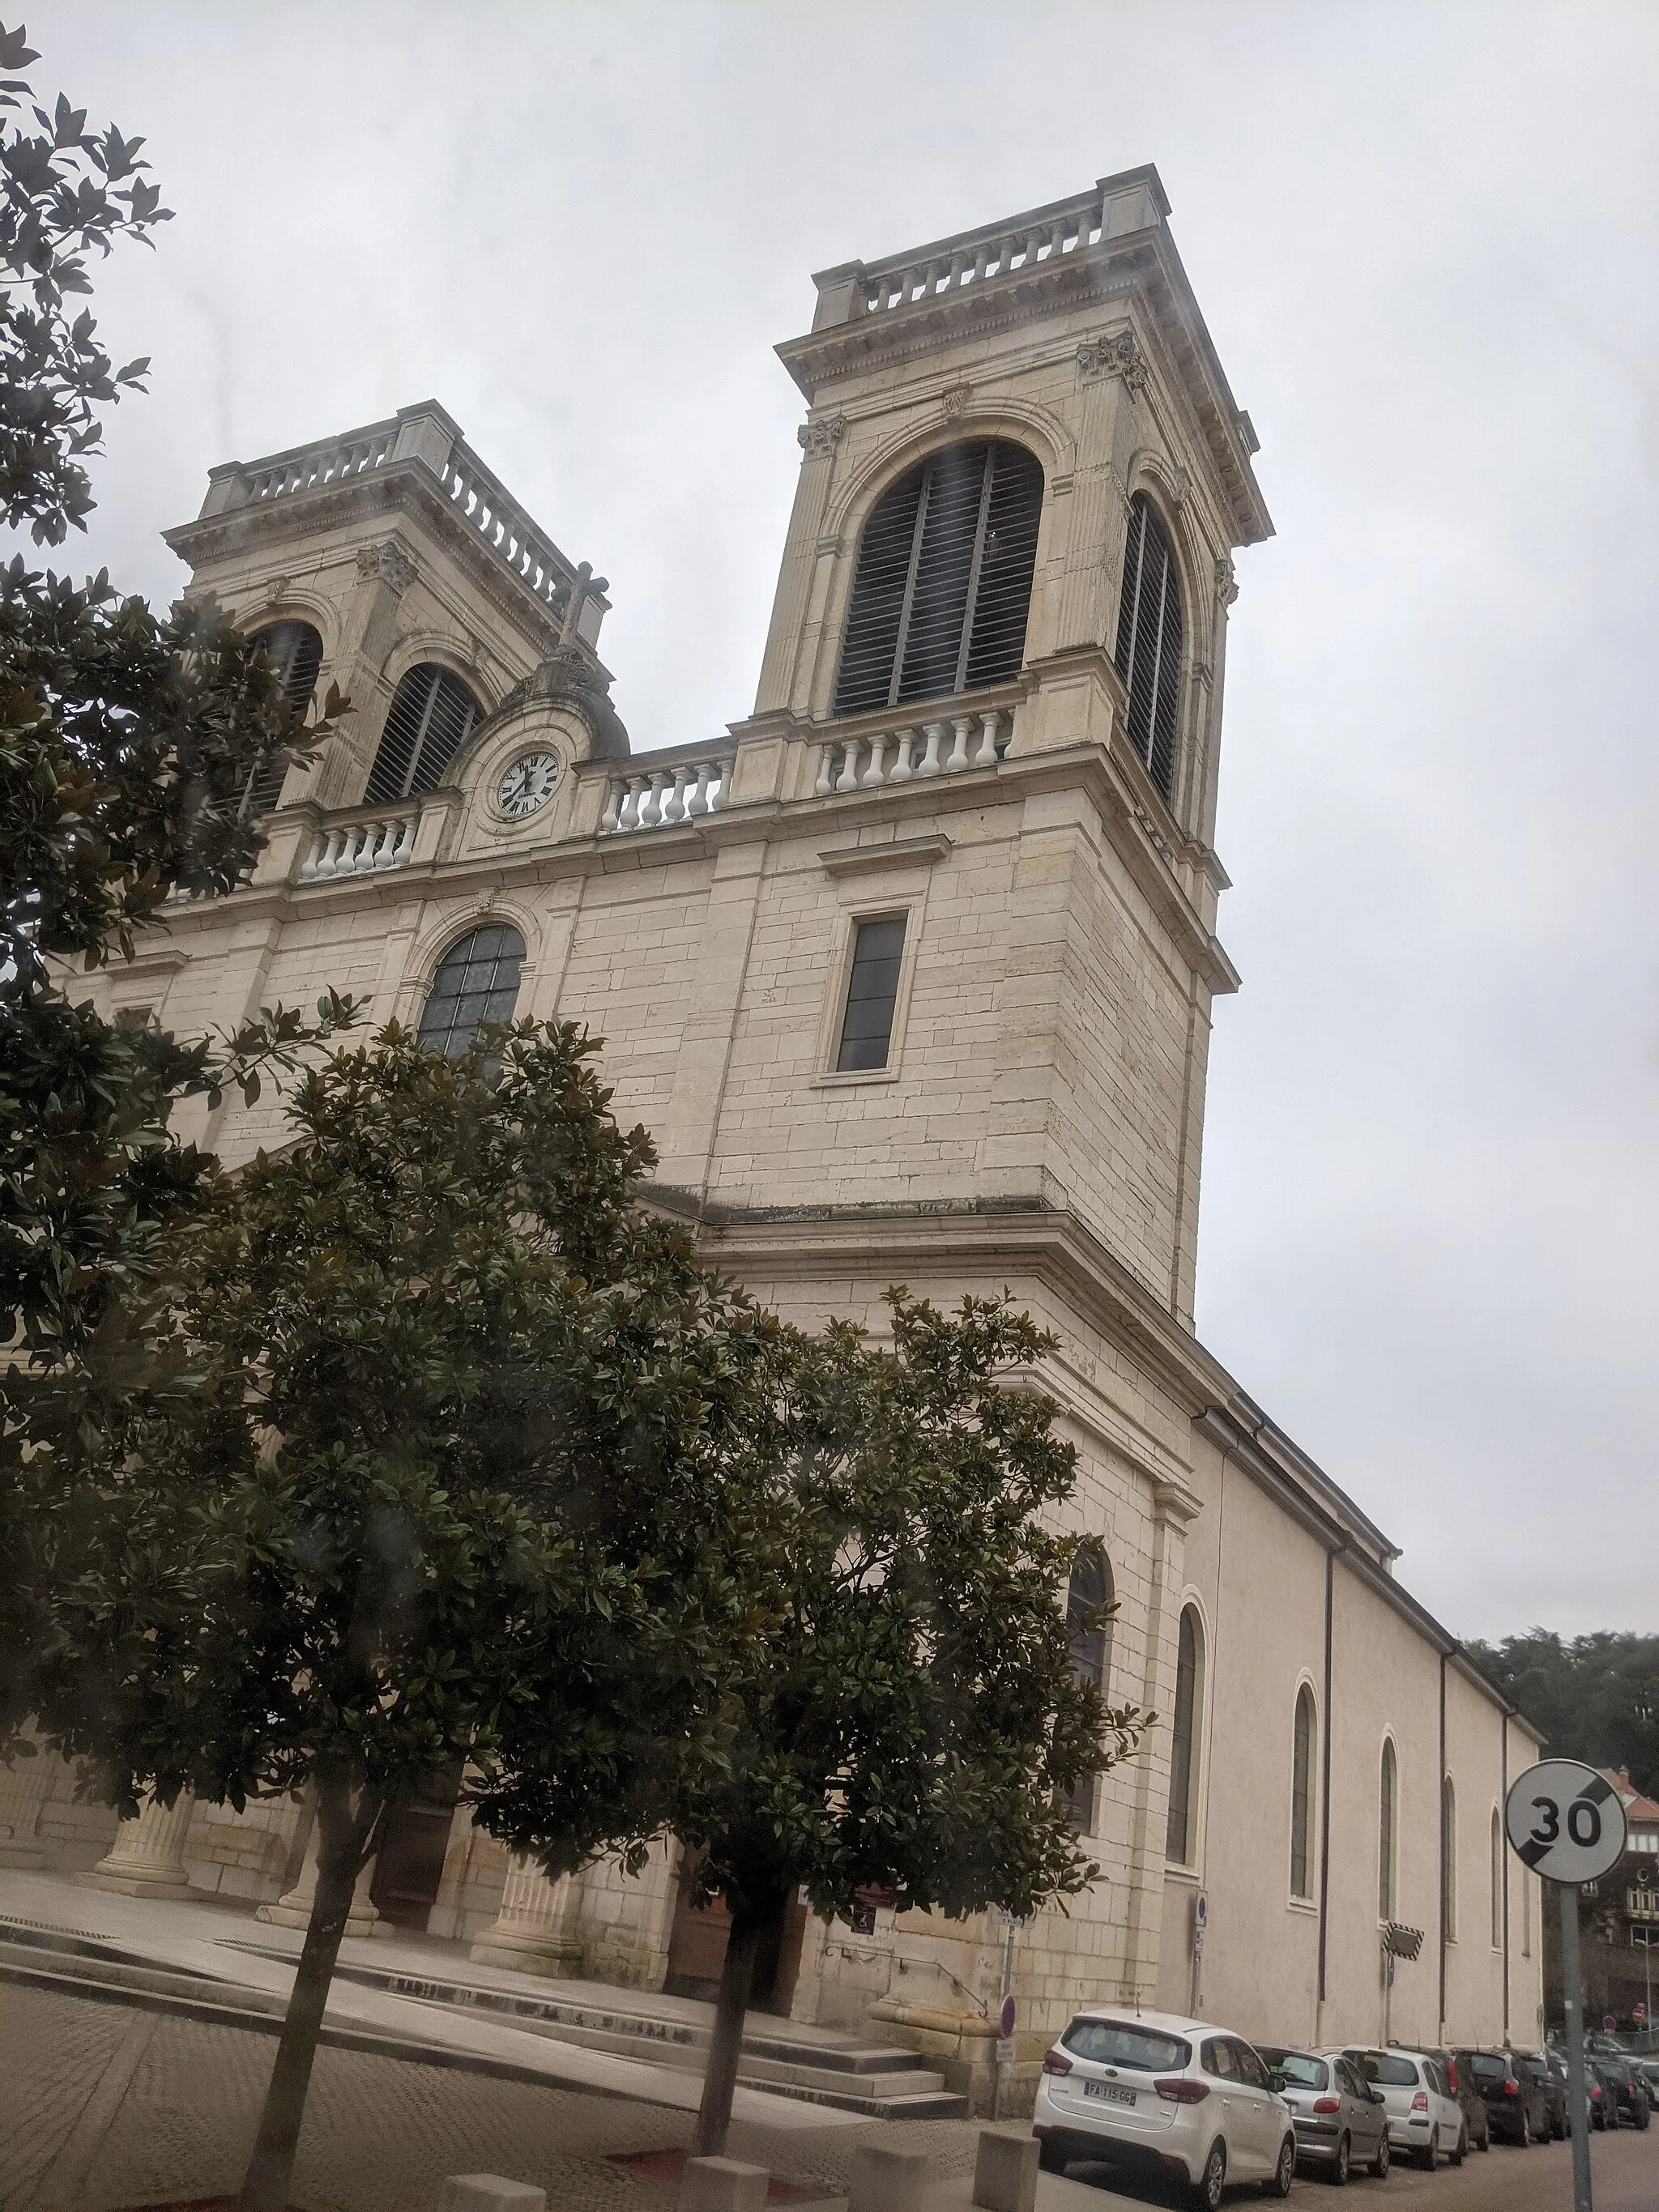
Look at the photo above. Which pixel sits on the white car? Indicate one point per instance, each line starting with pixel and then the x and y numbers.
pixel 1425 2119
pixel 1182 2099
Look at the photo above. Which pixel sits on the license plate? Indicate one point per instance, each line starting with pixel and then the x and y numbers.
pixel 1110 2091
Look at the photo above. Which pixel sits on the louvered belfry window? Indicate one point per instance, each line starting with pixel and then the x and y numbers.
pixel 943 584
pixel 431 714
pixel 296 649
pixel 1149 638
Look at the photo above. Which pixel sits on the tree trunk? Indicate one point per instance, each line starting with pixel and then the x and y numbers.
pixel 751 1925
pixel 269 2175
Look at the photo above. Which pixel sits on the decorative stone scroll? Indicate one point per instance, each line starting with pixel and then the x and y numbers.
pixel 1226 580
pixel 389 561
pixel 1119 356
pixel 822 436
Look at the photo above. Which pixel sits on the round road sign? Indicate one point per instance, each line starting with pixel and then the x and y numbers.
pixel 1005 2021
pixel 1565 1821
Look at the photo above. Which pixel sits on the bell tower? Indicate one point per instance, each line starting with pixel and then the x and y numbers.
pixel 1063 344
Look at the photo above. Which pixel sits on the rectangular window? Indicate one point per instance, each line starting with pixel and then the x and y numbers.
pixel 871 993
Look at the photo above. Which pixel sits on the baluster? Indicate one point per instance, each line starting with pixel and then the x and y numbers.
pixel 387 849
pixel 930 766
pixel 674 799
pixel 631 807
pixel 309 865
pixel 1057 241
pixel 902 771
pixel 958 759
pixel 849 777
pixel 696 799
pixel 328 859
pixel 405 840
pixel 987 755
pixel 825 783
pixel 613 796
pixel 872 775
pixel 351 858
pixel 650 814
pixel 719 789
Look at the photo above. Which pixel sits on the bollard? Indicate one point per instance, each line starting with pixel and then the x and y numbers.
pixel 1006 2173
pixel 887 2180
pixel 722 2185
pixel 489 2192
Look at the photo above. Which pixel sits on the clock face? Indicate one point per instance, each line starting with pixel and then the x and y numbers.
pixel 527 784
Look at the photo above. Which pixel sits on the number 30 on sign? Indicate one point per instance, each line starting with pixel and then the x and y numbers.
pixel 1565 1821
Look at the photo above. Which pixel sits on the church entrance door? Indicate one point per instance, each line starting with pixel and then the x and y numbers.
pixel 696 1949
pixel 410 1862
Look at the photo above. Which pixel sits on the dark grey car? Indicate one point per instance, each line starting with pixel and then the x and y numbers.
pixel 1340 2122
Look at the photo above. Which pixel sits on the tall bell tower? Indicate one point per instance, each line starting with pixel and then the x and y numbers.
pixel 1069 333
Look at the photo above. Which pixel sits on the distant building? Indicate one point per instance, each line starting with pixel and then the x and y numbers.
pixel 1620 1918
pixel 910 973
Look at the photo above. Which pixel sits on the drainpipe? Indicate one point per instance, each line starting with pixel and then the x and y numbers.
pixel 1445 1848
pixel 1325 1788
pixel 1505 1862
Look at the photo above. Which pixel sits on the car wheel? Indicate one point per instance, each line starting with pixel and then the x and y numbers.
pixel 1380 2163
pixel 1462 2152
pixel 1485 2143
pixel 1429 2157
pixel 1051 2157
pixel 1338 2176
pixel 1644 2117
pixel 1206 2193
pixel 1284 2171
pixel 1525 2137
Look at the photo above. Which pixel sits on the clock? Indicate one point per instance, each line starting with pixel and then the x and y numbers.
pixel 527 784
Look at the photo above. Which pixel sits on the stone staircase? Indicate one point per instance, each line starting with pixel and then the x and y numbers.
pixel 812 2065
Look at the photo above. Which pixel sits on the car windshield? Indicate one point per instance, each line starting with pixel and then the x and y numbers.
pixel 1297 2066
pixel 1488 2069
pixel 1126 2043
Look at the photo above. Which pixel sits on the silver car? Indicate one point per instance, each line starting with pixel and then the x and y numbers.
pixel 1341 2121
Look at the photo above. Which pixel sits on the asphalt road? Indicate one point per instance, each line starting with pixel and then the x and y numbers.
pixel 1624 2172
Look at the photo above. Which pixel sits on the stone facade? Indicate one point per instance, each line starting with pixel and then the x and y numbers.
pixel 1037 1124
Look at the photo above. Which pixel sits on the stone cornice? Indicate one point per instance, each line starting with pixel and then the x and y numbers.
pixel 1140 265
pixel 402 488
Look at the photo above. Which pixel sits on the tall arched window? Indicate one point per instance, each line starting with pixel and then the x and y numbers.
pixel 1089 1591
pixel 1448 1859
pixel 1302 1765
pixel 430 715
pixel 1180 1834
pixel 943 584
pixel 478 981
pixel 1496 1881
pixel 1149 638
pixel 296 649
pixel 1387 1831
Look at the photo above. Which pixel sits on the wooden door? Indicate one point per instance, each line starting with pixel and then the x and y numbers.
pixel 696 1948
pixel 410 1862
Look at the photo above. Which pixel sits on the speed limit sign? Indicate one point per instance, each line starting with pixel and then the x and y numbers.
pixel 1565 1821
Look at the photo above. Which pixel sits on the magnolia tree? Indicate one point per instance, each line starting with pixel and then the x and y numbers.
pixel 468 1468
pixel 911 1722
pixel 128 740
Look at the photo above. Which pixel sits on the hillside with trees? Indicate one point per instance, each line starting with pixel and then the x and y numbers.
pixel 1596 1697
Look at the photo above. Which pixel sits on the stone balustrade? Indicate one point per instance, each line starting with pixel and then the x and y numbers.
pixel 654 799
pixel 945 744
pixel 330 460
pixel 970 258
pixel 361 848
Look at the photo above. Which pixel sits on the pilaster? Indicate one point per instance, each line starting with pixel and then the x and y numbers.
pixel 148 1858
pixel 530 1933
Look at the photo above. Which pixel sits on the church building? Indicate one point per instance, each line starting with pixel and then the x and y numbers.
pixel 910 972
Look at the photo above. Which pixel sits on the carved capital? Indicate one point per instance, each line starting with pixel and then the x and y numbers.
pixel 822 436
pixel 1226 580
pixel 1119 356
pixel 955 403
pixel 389 561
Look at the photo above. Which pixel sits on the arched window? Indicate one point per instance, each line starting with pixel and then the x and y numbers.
pixel 296 649
pixel 1496 1881
pixel 1387 1827
pixel 1302 1765
pixel 1181 1835
pixel 1089 1591
pixel 943 584
pixel 478 981
pixel 1448 1859
pixel 430 715
pixel 1149 636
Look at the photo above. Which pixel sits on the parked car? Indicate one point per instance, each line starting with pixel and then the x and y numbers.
pixel 1341 2121
pixel 1462 2084
pixel 1158 2094
pixel 1597 2102
pixel 1535 2066
pixel 1627 2097
pixel 1425 2119
pixel 1518 2109
pixel 1647 2072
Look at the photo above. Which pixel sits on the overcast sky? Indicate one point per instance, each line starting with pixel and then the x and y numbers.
pixel 1425 237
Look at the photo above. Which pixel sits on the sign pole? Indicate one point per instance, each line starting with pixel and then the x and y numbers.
pixel 1572 1992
